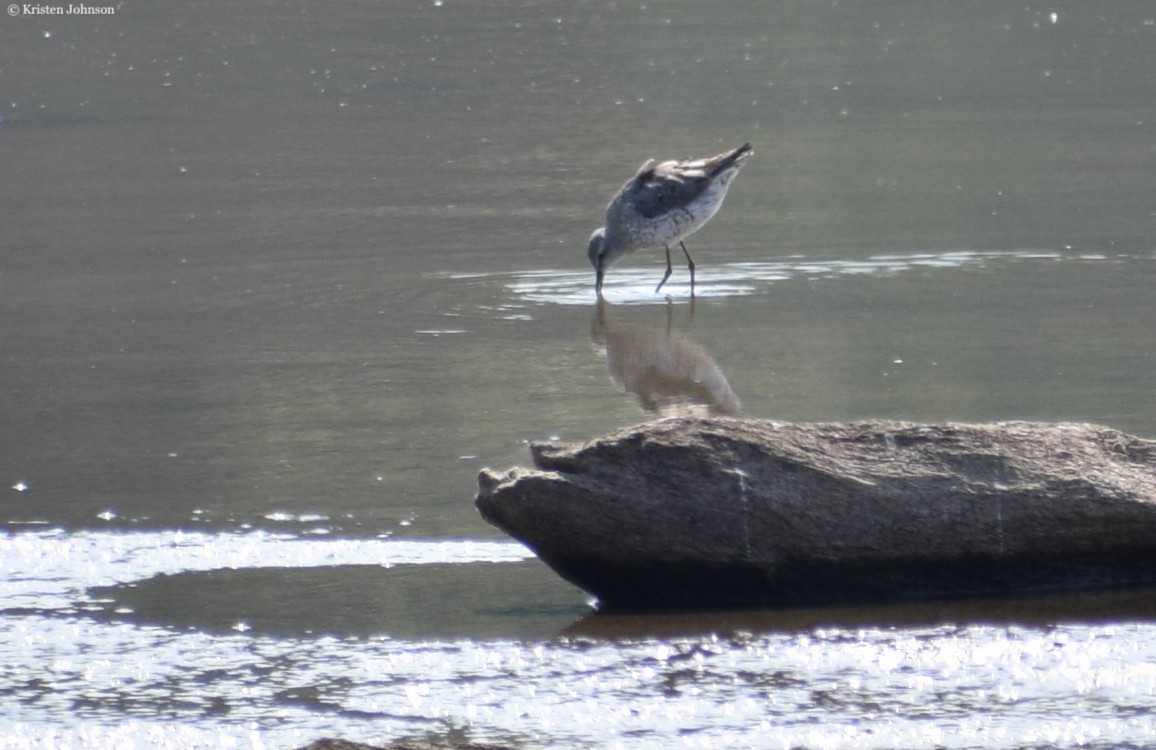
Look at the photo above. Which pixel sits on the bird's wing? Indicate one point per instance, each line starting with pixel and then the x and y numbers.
pixel 659 189
pixel 662 188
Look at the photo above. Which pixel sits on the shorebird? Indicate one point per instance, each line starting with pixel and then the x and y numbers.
pixel 661 205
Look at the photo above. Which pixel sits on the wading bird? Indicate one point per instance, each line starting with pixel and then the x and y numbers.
pixel 661 205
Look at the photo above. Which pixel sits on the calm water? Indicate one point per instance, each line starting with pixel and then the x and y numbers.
pixel 277 280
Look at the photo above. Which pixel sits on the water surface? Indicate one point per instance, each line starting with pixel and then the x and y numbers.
pixel 276 281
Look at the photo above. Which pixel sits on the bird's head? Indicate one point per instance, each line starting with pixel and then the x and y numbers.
pixel 596 252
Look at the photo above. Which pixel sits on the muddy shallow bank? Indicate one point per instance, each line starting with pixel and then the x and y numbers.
pixel 687 513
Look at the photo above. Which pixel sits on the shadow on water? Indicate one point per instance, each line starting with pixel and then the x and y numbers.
pixel 524 601
pixel 665 370
pixel 1037 612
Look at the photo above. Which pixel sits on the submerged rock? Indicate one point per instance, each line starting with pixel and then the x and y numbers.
pixel 690 513
pixel 334 744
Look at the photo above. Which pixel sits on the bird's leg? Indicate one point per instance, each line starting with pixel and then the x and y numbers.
pixel 666 275
pixel 689 264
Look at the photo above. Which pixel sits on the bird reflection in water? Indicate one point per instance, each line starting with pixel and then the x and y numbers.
pixel 668 373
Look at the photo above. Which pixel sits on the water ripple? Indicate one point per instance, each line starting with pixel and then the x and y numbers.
pixel 46 569
pixel 635 284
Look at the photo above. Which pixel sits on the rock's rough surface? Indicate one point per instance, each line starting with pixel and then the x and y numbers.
pixel 688 513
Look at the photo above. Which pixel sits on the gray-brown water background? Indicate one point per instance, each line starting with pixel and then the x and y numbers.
pixel 277 279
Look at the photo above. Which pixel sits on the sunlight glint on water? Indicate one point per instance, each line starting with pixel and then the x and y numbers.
pixel 77 682
pixel 632 283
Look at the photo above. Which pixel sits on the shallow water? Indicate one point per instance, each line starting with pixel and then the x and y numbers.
pixel 276 282
pixel 110 638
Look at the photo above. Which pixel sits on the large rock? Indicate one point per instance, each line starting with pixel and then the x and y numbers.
pixel 687 513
